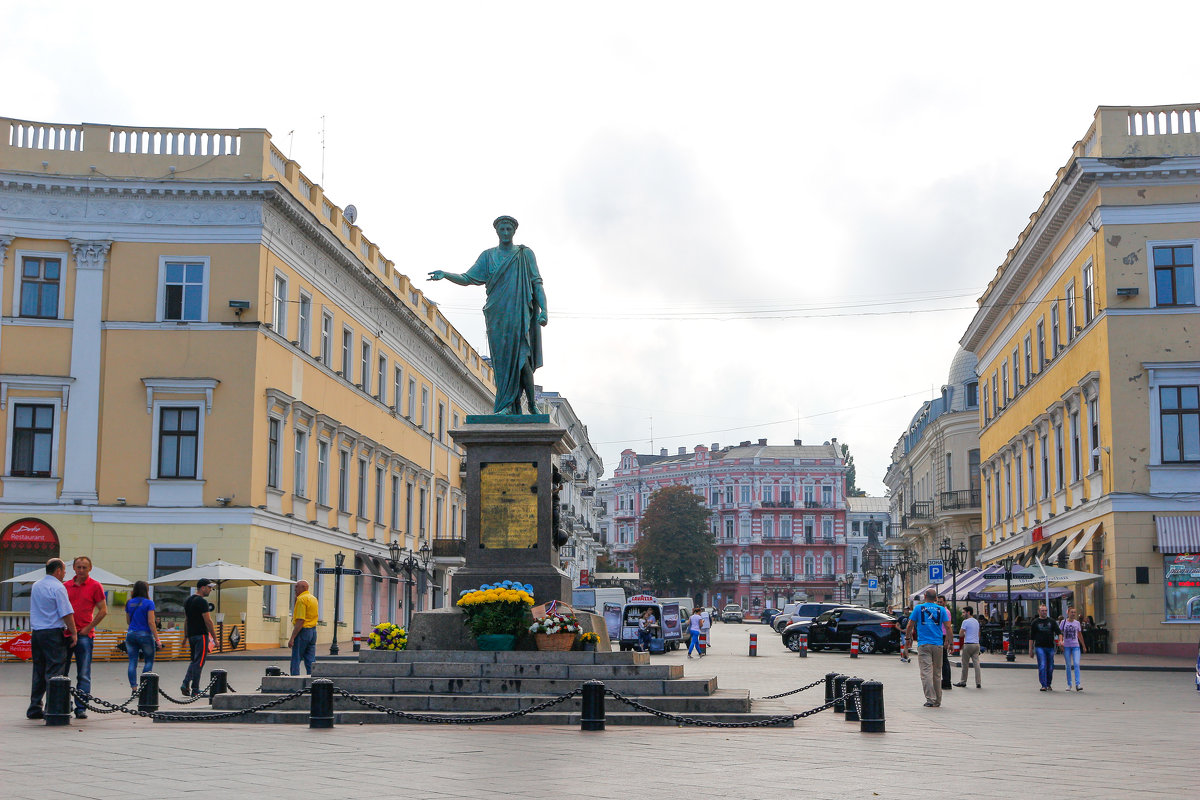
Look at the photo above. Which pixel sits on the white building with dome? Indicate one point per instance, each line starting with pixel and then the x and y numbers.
pixel 933 480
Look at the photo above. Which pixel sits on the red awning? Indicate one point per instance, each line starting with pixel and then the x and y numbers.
pixel 29 534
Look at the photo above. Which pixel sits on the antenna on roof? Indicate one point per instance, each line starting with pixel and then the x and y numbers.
pixel 652 434
pixel 322 150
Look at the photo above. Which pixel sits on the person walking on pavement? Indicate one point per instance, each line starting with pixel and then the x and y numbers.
pixel 198 628
pixel 941 598
pixel 141 636
pixel 52 632
pixel 695 623
pixel 1072 644
pixel 905 638
pixel 1042 634
pixel 969 629
pixel 90 605
pixel 929 623
pixel 303 640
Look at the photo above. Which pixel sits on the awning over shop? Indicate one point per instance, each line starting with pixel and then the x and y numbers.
pixel 1178 534
pixel 1063 544
pixel 966 582
pixel 1081 545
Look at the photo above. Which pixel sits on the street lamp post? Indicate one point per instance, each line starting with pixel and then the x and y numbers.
pixel 410 562
pixel 1008 569
pixel 339 559
pixel 955 558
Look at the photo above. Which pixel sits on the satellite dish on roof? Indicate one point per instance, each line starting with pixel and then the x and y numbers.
pixel 351 214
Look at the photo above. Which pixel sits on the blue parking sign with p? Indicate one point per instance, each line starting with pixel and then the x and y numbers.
pixel 872 583
pixel 936 574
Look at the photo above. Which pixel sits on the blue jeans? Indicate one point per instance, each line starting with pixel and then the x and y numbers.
pixel 304 648
pixel 139 643
pixel 693 642
pixel 81 654
pixel 1071 656
pixel 197 650
pixel 1045 659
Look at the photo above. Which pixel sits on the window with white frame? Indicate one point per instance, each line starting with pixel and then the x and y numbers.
pixel 768 528
pixel 1008 495
pixel 1030 467
pixel 729 528
pixel 397 382
pixel 995 394
pixel 1179 424
pixel 348 354
pixel 810 567
pixel 1089 293
pixel 1094 433
pixel 746 566
pixel 381 379
pixel 304 323
pixel 425 408
pixel 441 422
pixel 785 527
pixel 183 290
pixel 1055 334
pixel 1045 466
pixel 412 398
pixel 729 573
pixel 41 286
pixel 279 312
pixel 274 429
pixel 178 442
pixel 296 568
pixel 32 440
pixel 1071 311
pixel 1028 357
pixel 300 465
pixel 364 369
pixel 1059 471
pixel 344 481
pixel 827 566
pixel 379 495
pixel 827 528
pixel 318 586
pixel 322 472
pixel 810 527
pixel 1041 344
pixel 408 507
pixel 395 502
pixel 745 494
pixel 327 338
pixel 1019 476
pixel 165 559
pixel 1016 373
pixel 745 528
pixel 362 488
pixel 1076 467
pixel 1174 275
pixel 768 493
pixel 270 562
pixel 827 497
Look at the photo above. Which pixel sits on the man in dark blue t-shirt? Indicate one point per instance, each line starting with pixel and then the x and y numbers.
pixel 929 623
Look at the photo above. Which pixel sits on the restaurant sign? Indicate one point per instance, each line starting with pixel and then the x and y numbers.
pixel 29 534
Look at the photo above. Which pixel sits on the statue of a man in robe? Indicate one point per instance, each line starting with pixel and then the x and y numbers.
pixel 514 312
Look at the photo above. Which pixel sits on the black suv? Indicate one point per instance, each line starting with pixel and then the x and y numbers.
pixel 877 632
pixel 805 612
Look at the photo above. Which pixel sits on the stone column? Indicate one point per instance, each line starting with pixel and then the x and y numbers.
pixel 5 241
pixel 83 416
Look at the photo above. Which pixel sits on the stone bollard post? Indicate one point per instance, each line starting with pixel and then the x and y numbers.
pixel 839 688
pixel 220 685
pixel 830 677
pixel 273 672
pixel 871 719
pixel 320 712
pixel 592 716
pixel 802 649
pixel 58 701
pixel 148 692
pixel 851 706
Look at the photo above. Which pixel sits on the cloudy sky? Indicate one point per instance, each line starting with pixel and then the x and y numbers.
pixel 753 219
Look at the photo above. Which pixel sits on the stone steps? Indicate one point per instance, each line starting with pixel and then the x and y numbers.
pixel 549 717
pixel 724 701
pixel 495 686
pixel 447 669
pixel 503 657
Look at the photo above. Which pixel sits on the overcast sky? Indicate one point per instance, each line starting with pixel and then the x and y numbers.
pixel 747 215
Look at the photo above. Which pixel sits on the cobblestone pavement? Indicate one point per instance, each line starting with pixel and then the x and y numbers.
pixel 1127 733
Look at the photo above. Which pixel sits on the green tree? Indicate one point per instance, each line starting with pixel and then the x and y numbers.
pixel 604 563
pixel 852 489
pixel 676 554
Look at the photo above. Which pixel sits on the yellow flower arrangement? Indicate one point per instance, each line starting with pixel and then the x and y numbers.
pixel 496 608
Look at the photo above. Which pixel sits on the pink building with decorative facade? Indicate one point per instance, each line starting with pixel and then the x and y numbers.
pixel 778 516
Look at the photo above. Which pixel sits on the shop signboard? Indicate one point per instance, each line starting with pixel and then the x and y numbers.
pixel 20 646
pixel 1181 576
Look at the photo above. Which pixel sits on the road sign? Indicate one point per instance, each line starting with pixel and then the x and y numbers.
pixel 937 573
pixel 1017 576
pixel 872 583
pixel 335 570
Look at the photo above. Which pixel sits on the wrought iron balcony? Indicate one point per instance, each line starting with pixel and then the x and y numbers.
pixel 961 500
pixel 449 548
pixel 921 510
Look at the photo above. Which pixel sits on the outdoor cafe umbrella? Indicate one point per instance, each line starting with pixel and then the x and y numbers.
pixel 1043 581
pixel 104 576
pixel 221 573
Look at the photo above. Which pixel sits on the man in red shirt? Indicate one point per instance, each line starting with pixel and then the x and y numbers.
pixel 87 598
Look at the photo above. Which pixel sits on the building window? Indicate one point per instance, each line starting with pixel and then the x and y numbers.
pixel 348 354
pixel 270 559
pixel 300 467
pixel 304 321
pixel 364 368
pixel 408 508
pixel 827 528
pixel 1004 382
pixel 746 566
pixel 1094 433
pixel 397 382
pixel 785 495
pixel 768 494
pixel 327 338
pixel 421 514
pixel 728 528
pixel 949 478
pixel 362 488
pixel 296 568
pixel 785 527
pixel 1029 465
pixel 808 497
pixel 996 481
pixel 827 497
pixel 441 422
pixel 33 441
pixel 1018 497
pixel 1008 496
pixel 768 528
pixel 1028 358
pixel 178 442
pixel 1071 311
pixel 1179 421
pixel 381 380
pixel 425 408
pixel 716 497
pixel 378 495
pixel 318 587
pixel 744 533
pixel 995 394
pixel 987 408
pixel 183 291
pixel 412 397
pixel 1089 294
pixel 322 472
pixel 1055 335
pixel 395 502
pixel 1045 467
pixel 729 573
pixel 40 286
pixel 168 601
pixel 273 427
pixel 1041 344
pixel 1174 278
pixel 279 312
pixel 1180 575
pixel 810 526
pixel 1059 472
pixel 1075 465
pixel 344 481
pixel 745 494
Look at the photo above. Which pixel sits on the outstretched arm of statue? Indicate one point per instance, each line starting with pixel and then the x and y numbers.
pixel 453 277
pixel 539 294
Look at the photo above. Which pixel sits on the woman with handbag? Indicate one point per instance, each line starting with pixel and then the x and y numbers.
pixel 141 639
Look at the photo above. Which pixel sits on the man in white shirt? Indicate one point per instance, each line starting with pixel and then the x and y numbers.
pixel 52 627
pixel 969 629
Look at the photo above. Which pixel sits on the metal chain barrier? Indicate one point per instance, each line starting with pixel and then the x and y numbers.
pixel 168 717
pixel 194 698
pixel 113 708
pixel 762 723
pixel 817 682
pixel 362 701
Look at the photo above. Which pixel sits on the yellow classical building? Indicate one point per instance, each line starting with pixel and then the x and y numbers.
pixel 203 357
pixel 1089 366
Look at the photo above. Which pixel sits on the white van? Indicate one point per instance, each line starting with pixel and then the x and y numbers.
pixel 587 598
pixel 686 605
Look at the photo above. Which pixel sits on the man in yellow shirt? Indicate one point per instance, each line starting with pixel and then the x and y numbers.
pixel 303 640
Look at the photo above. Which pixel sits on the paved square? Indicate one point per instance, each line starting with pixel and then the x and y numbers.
pixel 1127 734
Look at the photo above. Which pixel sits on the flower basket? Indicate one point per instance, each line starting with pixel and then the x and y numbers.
pixel 588 642
pixel 500 608
pixel 557 642
pixel 388 636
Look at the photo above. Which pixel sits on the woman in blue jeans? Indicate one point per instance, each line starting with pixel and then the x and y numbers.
pixel 142 636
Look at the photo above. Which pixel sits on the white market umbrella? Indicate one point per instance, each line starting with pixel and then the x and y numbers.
pixel 104 576
pixel 221 573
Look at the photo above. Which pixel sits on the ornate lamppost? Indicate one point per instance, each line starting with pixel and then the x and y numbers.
pixel 955 558
pixel 410 562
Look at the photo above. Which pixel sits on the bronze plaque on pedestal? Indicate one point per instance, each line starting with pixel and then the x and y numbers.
pixel 508 503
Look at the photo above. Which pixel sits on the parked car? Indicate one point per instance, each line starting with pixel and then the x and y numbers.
pixel 732 613
pixel 768 615
pixel 877 631
pixel 805 612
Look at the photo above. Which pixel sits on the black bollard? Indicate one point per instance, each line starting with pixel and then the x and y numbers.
pixel 220 683
pixel 320 713
pixel 871 718
pixel 148 692
pixel 58 701
pixel 851 706
pixel 273 672
pixel 839 688
pixel 829 679
pixel 592 718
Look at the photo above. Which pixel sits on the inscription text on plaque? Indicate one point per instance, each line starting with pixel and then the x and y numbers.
pixel 508 505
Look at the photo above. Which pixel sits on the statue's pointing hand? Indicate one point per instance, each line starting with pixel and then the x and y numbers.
pixel 438 274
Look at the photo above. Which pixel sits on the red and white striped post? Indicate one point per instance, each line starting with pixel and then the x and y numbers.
pixel 903 644
pixel 803 648
pixel 958 643
pixel 754 644
pixel 854 645
pixel 703 641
